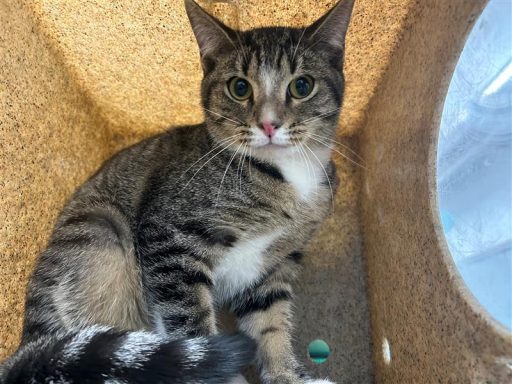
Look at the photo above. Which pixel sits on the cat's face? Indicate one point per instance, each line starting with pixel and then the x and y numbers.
pixel 272 91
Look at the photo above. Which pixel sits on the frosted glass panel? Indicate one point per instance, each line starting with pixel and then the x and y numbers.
pixel 474 166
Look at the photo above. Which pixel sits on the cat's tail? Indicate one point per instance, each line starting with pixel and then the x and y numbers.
pixel 103 355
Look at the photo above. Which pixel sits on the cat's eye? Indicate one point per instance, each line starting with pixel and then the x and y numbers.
pixel 239 88
pixel 301 87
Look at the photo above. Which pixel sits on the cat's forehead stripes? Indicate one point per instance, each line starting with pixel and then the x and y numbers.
pixel 270 54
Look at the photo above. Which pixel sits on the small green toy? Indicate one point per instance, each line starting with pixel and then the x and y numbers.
pixel 318 351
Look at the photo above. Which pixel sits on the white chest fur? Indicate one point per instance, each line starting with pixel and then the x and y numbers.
pixel 242 265
pixel 304 171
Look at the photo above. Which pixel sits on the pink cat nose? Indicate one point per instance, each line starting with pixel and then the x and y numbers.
pixel 269 128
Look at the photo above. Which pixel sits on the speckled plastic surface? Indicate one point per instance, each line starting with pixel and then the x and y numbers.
pixel 420 307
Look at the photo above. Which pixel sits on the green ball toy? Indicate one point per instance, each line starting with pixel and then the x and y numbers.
pixel 318 351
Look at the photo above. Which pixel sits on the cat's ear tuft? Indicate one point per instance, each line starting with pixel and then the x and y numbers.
pixel 213 37
pixel 332 27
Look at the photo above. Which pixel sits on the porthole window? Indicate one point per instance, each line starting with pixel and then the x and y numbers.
pixel 474 168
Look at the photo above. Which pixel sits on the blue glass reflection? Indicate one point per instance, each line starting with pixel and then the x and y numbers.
pixel 474 166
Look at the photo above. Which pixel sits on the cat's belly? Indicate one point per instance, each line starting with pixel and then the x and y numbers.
pixel 242 265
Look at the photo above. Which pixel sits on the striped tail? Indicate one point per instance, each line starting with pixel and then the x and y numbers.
pixel 103 355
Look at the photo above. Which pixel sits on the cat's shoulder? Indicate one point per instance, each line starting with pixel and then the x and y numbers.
pixel 183 137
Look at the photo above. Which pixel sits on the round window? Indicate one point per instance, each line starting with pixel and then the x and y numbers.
pixel 474 168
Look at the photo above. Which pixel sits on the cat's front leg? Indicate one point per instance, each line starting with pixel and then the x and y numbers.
pixel 180 299
pixel 177 285
pixel 270 327
pixel 265 313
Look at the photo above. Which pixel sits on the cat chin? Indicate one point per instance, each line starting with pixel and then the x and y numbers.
pixel 274 153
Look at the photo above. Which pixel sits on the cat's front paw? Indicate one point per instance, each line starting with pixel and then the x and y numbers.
pixel 319 381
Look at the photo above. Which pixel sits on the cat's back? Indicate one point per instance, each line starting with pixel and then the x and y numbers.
pixel 170 148
pixel 126 175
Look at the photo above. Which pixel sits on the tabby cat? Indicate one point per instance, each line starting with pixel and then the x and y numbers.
pixel 197 218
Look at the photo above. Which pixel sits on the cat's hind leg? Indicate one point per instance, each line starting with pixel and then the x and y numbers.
pixel 88 275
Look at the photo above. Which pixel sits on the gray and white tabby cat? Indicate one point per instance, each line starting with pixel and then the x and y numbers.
pixel 171 229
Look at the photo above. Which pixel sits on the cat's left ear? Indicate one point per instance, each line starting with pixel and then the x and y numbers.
pixel 331 28
pixel 213 37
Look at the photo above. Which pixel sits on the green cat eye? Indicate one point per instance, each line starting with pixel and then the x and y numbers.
pixel 301 87
pixel 239 88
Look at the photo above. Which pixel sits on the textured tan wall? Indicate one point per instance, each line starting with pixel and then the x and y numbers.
pixel 80 79
pixel 138 60
pixel 50 140
pixel 436 330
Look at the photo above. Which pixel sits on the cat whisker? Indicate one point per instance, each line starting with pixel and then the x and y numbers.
pixel 326 175
pixel 236 121
pixel 310 164
pixel 224 175
pixel 232 42
pixel 240 167
pixel 302 152
pixel 206 162
pixel 309 47
pixel 246 152
pixel 298 43
pixel 244 52
pixel 316 41
pixel 340 144
pixel 230 118
pixel 318 117
pixel 249 161
pixel 223 141
pixel 340 153
pixel 225 122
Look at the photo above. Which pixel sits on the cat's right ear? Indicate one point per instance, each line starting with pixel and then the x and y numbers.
pixel 328 32
pixel 213 37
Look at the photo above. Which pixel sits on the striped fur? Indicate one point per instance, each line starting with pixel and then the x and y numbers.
pixel 200 217
pixel 101 354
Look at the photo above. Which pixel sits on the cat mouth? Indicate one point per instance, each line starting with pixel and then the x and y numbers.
pixel 272 145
